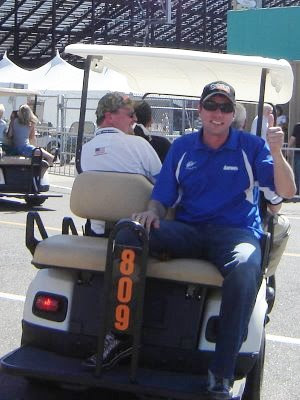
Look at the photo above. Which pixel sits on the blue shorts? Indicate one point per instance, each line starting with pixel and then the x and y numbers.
pixel 25 150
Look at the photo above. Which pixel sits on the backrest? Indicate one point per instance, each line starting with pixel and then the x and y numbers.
pixel 109 196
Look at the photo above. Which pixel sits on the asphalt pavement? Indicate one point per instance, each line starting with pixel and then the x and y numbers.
pixel 282 365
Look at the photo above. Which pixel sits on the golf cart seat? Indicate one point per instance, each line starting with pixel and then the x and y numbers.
pixel 111 196
pixel 20 174
pixel 19 160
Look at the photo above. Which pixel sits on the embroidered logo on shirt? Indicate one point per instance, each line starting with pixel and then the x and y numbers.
pixel 99 151
pixel 191 165
pixel 230 168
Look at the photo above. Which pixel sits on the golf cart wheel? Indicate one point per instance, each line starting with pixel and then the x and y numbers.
pixel 40 382
pixel 254 379
pixel 271 292
pixel 34 201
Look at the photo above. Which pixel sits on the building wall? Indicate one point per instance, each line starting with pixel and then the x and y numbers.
pixel 269 32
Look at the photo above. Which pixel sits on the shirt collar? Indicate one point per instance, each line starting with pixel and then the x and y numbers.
pixel 101 131
pixel 231 142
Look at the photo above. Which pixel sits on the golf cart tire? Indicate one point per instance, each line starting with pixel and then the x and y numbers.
pixel 35 201
pixel 254 379
pixel 271 285
pixel 41 382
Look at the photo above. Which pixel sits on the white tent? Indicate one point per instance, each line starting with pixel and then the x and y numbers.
pixel 11 75
pixel 59 76
pixel 60 83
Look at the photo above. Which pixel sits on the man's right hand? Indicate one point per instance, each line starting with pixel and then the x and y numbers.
pixel 147 219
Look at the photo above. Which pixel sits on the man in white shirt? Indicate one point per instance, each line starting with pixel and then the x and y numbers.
pixel 114 148
pixel 267 121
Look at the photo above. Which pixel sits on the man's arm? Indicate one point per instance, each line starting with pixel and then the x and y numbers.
pixel 32 136
pixel 152 216
pixel 283 173
pixel 274 208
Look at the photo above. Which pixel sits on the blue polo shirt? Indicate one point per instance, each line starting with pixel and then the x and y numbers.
pixel 217 186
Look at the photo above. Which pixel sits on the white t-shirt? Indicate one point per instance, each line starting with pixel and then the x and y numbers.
pixel 113 150
pixel 264 127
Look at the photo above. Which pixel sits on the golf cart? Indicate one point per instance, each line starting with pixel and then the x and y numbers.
pixel 23 177
pixel 86 286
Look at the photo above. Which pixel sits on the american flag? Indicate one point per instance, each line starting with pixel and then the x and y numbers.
pixel 99 151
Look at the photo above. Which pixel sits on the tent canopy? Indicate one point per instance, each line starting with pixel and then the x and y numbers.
pixel 185 72
pixel 58 75
pixel 12 74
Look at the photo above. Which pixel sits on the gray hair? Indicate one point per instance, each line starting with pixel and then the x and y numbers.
pixel 240 116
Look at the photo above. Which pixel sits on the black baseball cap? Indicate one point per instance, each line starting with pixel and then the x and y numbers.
pixel 218 87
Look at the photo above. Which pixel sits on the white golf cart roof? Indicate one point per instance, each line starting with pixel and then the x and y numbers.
pixel 185 72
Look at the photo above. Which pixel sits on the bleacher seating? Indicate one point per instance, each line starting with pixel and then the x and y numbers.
pixel 30 37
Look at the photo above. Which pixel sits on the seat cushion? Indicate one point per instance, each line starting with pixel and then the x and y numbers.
pixel 15 160
pixel 89 253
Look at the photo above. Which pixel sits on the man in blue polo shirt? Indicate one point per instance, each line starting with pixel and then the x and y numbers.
pixel 211 177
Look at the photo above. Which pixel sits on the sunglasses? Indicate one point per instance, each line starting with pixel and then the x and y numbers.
pixel 129 114
pixel 210 105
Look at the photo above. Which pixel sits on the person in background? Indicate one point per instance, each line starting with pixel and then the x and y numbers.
pixel 23 134
pixel 13 116
pixel 240 117
pixel 143 114
pixel 294 142
pixel 239 122
pixel 3 125
pixel 114 148
pixel 282 121
pixel 267 120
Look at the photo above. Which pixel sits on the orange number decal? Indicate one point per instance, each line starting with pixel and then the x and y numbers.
pixel 124 289
pixel 122 317
pixel 127 263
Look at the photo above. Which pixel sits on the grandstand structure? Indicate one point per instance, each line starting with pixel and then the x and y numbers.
pixel 32 30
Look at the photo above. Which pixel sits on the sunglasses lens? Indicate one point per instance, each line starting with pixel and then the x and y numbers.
pixel 226 107
pixel 210 105
pixel 213 106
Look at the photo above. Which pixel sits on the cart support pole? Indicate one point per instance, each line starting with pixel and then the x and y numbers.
pixel 261 100
pixel 82 112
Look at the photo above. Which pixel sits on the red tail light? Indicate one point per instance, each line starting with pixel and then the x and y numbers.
pixel 47 303
pixel 50 306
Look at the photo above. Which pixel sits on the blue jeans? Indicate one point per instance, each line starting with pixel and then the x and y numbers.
pixel 25 150
pixel 237 254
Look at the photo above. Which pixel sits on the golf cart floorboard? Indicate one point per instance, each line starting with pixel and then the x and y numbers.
pixel 32 362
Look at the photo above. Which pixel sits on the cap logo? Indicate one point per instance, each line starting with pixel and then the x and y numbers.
pixel 220 86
